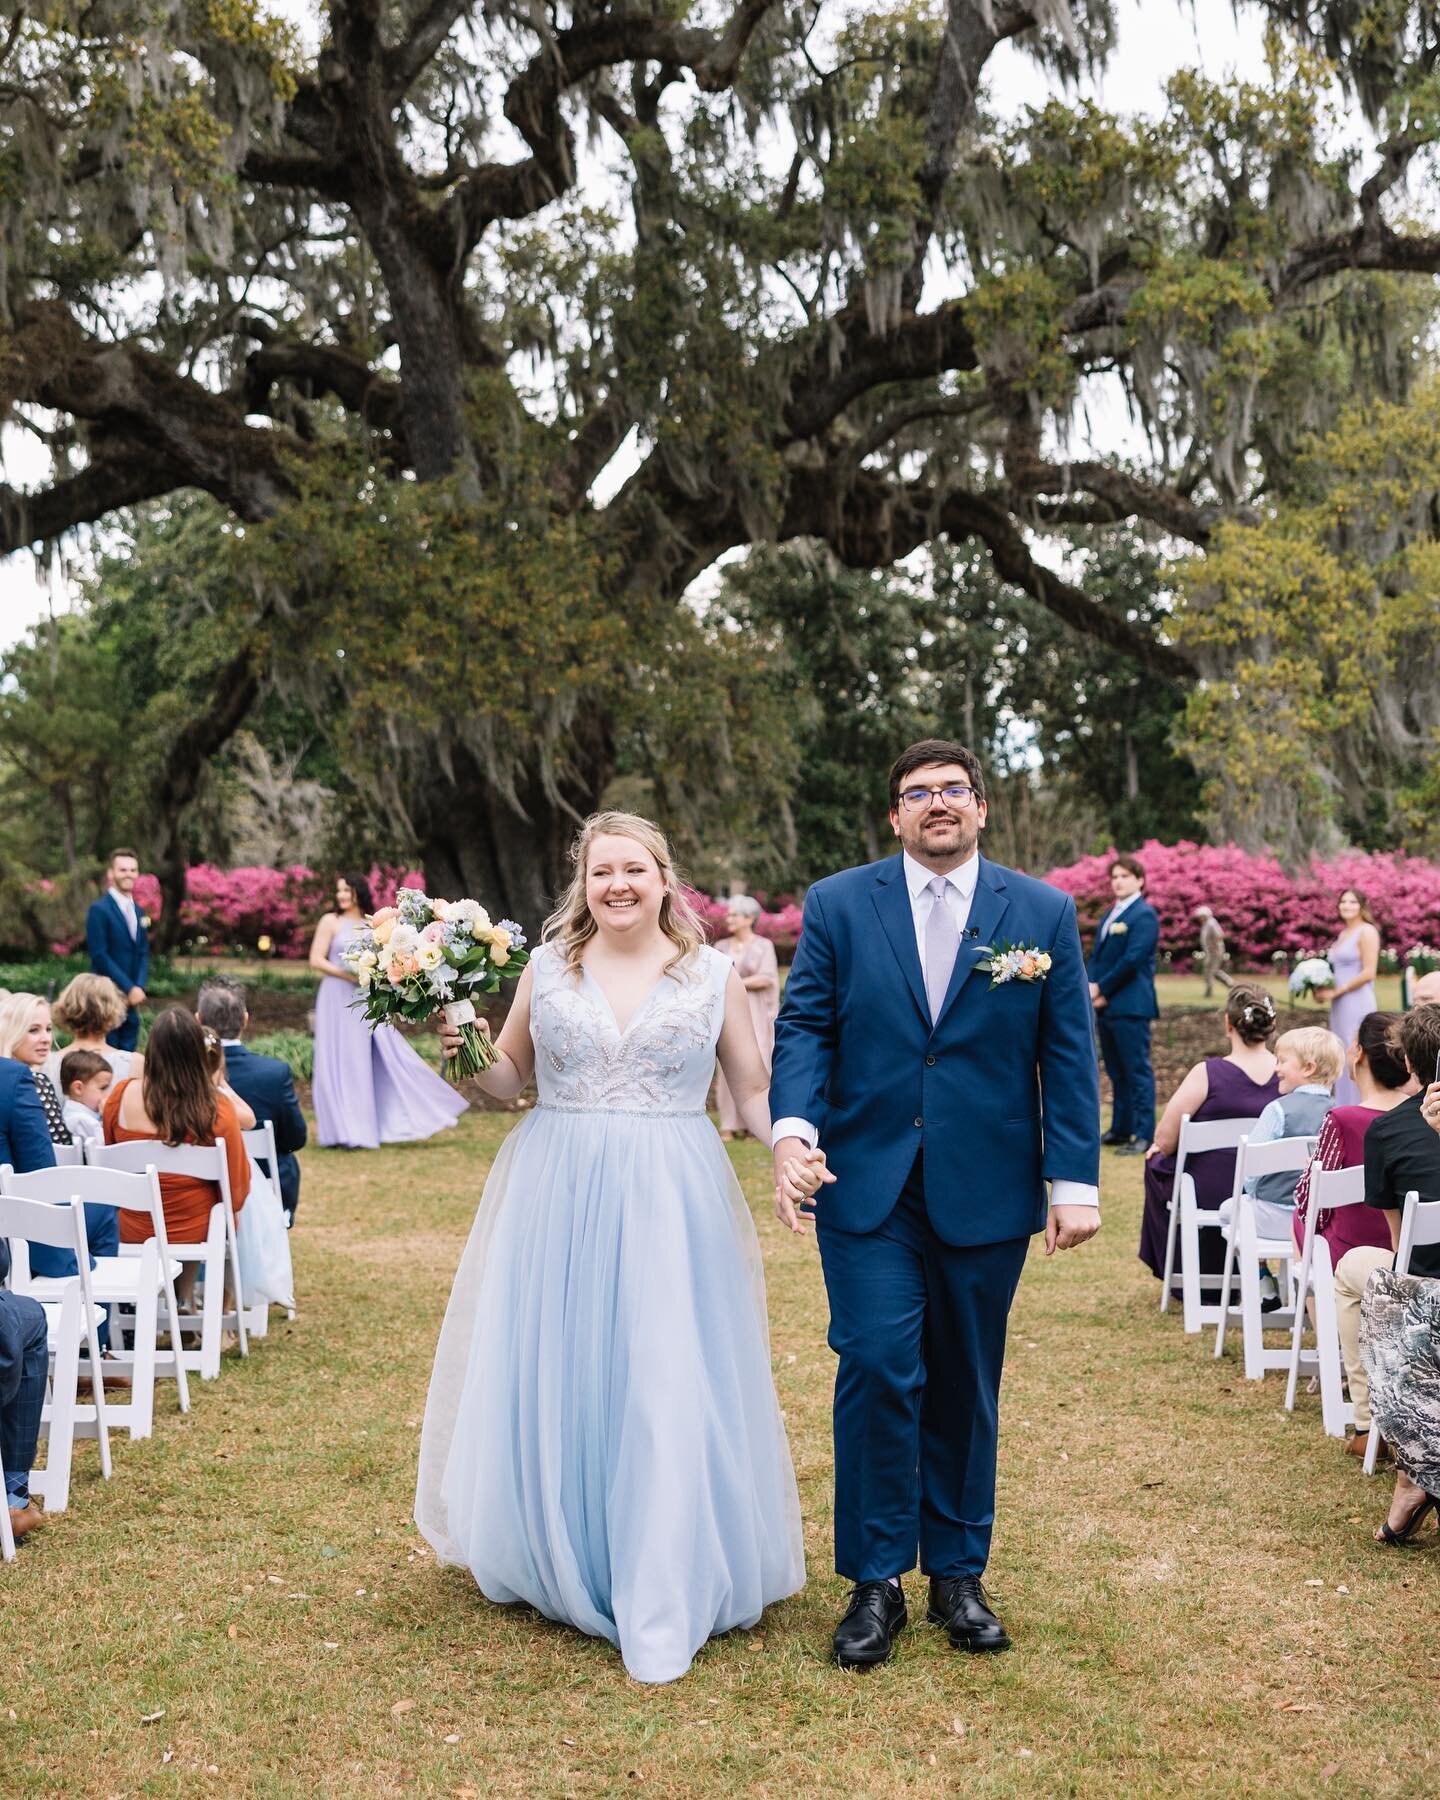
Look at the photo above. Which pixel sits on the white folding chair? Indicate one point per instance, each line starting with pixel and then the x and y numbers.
pixel 1246 1249
pixel 1419 1224
pixel 72 1319
pixel 135 1280
pixel 69 1156
pixel 260 1147
pixel 205 1162
pixel 1189 1219
pixel 1330 1191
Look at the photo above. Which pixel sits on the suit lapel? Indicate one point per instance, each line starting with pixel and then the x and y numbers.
pixel 987 912
pixel 892 902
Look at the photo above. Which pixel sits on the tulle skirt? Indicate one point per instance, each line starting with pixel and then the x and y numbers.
pixel 602 1437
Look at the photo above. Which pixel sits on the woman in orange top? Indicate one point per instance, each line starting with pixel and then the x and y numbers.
pixel 175 1101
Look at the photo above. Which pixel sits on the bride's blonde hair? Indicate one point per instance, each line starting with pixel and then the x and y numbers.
pixel 572 924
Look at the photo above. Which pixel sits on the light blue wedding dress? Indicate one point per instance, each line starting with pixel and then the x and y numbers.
pixel 602 1437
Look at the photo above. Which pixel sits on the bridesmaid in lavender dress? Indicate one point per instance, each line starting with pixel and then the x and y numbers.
pixel 755 964
pixel 1355 958
pixel 370 1088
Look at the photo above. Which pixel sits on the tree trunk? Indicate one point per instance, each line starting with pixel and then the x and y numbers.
pixel 477 846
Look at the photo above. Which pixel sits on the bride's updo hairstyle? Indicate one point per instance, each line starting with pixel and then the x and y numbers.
pixel 572 925
pixel 1250 1012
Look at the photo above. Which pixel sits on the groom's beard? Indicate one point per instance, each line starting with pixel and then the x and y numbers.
pixel 947 834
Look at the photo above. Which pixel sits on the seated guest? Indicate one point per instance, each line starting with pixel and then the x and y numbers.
pixel 215 1063
pixel 1400 1153
pixel 26 1036
pixel 85 1079
pixel 87 1009
pixel 24 1366
pixel 1238 1085
pixel 263 1081
pixel 24 1136
pixel 174 1101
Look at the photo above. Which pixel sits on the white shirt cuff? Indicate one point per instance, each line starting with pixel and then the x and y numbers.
pixel 801 1128
pixel 1073 1193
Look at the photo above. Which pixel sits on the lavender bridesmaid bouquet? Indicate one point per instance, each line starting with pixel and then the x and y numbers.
pixel 423 956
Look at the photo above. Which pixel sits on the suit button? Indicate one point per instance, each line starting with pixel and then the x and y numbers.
pixel 919 1123
pixel 929 1062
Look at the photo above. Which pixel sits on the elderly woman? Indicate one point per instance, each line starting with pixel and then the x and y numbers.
pixel 88 1009
pixel 27 1036
pixel 755 964
pixel 1400 1314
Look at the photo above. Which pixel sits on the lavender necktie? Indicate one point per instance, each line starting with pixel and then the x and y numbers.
pixel 942 941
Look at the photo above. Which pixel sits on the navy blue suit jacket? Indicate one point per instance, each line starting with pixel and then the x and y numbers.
pixel 113 951
pixel 24 1135
pixel 265 1084
pixel 1001 1093
pixel 1122 964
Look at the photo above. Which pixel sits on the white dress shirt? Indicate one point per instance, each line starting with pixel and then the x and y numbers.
pixel 126 903
pixel 962 883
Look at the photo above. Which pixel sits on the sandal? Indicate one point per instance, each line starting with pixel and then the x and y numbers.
pixel 1388 1534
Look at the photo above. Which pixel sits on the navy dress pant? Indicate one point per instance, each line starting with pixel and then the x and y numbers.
pixel 919 1328
pixel 1125 1050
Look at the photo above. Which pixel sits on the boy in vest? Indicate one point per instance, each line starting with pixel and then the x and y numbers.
pixel 1308 1063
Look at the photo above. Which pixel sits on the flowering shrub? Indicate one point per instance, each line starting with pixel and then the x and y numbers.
pixel 1263 911
pixel 232 909
pixel 782 926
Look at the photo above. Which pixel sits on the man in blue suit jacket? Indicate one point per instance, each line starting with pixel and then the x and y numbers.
pixel 24 1136
pixel 1122 991
pixel 119 943
pixel 263 1082
pixel 945 1096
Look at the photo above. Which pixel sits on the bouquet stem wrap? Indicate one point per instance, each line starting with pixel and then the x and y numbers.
pixel 476 1052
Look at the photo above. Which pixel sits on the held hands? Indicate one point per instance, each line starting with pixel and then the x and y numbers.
pixel 1070 1226
pixel 799 1174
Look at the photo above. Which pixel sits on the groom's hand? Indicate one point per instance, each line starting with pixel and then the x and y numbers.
pixel 790 1203
pixel 1069 1226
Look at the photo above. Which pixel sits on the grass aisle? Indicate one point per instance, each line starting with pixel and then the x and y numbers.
pixel 246 1608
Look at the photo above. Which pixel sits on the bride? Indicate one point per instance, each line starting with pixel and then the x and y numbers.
pixel 602 1437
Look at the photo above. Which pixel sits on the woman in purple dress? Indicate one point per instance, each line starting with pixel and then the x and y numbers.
pixel 759 972
pixel 1355 958
pixel 1238 1085
pixel 370 1088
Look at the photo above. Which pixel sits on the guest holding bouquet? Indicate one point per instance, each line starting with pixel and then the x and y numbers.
pixel 371 1087
pixel 759 972
pixel 1354 959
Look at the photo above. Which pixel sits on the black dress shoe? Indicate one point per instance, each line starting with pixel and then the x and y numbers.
pixel 1136 1147
pixel 1116 1137
pixel 958 1602
pixel 875 1613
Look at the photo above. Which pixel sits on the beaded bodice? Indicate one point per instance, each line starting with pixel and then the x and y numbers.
pixel 660 1064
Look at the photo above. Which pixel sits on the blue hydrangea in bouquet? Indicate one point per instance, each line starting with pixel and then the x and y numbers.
pixel 423 956
pixel 1310 973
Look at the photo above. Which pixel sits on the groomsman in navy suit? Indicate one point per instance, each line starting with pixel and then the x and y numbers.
pixel 935 1041
pixel 1122 991
pixel 119 943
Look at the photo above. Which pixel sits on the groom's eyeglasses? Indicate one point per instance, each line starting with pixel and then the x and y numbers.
pixel 956 798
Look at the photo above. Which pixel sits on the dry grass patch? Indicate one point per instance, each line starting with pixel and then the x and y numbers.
pixel 247 1610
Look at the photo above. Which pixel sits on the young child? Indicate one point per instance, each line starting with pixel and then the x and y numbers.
pixel 1308 1063
pixel 85 1079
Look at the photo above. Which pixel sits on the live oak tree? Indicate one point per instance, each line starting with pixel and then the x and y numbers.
pixel 398 304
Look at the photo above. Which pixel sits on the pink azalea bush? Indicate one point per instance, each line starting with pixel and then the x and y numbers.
pixel 232 909
pixel 782 925
pixel 1263 911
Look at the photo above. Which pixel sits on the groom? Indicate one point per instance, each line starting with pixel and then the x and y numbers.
pixel 945 1097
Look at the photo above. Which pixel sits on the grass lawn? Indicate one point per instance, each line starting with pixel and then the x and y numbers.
pixel 1189 990
pixel 246 1609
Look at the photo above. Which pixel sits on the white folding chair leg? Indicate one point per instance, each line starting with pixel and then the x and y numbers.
pixel 1190 1301
pixel 257 1319
pixel 233 1259
pixel 174 1360
pixel 1333 1410
pixel 7 1533
pixel 1297 1332
pixel 142 1366
pixel 1251 1315
pixel 1372 1447
pixel 1222 1323
pixel 1170 1230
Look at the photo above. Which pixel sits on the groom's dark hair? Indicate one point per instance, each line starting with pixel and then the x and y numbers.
pixel 926 755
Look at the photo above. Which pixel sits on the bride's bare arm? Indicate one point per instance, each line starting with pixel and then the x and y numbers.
pixel 514 1048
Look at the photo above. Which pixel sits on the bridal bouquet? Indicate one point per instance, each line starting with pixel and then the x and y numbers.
pixel 1313 972
pixel 423 956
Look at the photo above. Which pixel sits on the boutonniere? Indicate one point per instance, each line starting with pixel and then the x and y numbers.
pixel 144 919
pixel 1014 962
pixel 1117 929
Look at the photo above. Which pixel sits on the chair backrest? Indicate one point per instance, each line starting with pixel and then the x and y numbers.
pixel 95 1186
pixel 1276 1158
pixel 69 1156
pixel 1330 1189
pixel 1200 1135
pixel 60 1226
pixel 1419 1224
pixel 205 1161
pixel 260 1143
